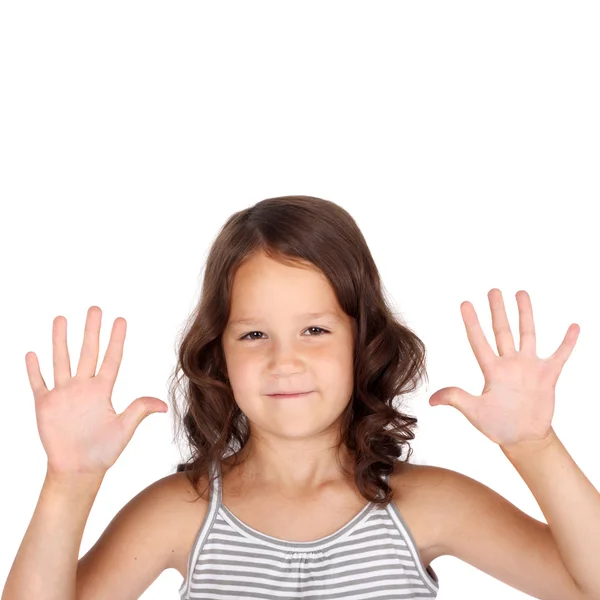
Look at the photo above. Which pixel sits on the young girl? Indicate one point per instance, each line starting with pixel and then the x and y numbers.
pixel 290 370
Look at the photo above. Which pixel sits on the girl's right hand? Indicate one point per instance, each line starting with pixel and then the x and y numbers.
pixel 79 429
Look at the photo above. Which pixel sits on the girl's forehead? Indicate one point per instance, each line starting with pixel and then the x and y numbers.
pixel 262 268
pixel 258 284
pixel 265 289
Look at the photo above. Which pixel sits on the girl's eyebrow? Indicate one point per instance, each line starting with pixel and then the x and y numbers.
pixel 311 315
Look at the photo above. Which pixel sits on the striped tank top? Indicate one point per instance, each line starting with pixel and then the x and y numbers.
pixel 373 556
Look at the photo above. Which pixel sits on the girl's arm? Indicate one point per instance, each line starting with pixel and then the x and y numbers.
pixel 45 566
pixel 570 503
pixel 138 544
pixel 557 560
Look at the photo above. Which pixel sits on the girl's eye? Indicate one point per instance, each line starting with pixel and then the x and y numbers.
pixel 245 337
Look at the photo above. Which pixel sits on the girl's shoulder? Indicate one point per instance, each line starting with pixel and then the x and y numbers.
pixel 414 476
pixel 190 506
pixel 419 498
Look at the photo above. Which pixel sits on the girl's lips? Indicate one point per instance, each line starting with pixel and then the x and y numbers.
pixel 289 395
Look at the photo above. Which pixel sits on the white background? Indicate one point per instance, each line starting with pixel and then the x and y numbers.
pixel 461 136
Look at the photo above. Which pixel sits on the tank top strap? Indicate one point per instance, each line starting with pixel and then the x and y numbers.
pixel 215 486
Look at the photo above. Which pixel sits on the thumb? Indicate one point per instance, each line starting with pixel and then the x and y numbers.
pixel 139 409
pixel 452 396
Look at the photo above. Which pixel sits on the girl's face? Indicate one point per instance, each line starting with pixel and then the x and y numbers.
pixel 281 348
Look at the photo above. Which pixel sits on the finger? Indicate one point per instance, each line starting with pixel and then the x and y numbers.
pixel 479 344
pixel 564 350
pixel 36 381
pixel 88 359
pixel 60 352
pixel 114 353
pixel 504 338
pixel 526 325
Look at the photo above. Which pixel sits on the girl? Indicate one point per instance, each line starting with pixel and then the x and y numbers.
pixel 289 369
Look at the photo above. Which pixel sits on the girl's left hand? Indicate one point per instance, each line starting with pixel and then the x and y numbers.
pixel 517 402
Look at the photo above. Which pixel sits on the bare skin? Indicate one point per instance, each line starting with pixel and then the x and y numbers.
pixel 316 517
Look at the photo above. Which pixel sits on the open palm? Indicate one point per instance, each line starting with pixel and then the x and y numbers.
pixel 78 426
pixel 517 402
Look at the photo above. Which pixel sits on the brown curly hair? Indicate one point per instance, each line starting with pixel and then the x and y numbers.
pixel 389 359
